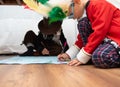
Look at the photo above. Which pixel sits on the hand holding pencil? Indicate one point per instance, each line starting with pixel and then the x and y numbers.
pixel 63 57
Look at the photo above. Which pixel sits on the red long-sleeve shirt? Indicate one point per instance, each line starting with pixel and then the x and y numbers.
pixel 105 21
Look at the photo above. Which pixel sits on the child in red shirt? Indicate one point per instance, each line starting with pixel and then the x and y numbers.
pixel 102 43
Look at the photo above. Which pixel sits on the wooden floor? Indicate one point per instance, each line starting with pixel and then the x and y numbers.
pixel 51 75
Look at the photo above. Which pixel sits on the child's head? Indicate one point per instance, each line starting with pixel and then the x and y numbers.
pixel 49 28
pixel 77 8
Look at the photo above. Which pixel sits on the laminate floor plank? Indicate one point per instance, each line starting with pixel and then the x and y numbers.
pixel 57 75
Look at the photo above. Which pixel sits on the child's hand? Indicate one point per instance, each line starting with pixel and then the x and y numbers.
pixel 63 57
pixel 45 52
pixel 75 62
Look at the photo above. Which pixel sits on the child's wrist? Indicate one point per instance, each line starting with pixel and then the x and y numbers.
pixel 72 51
pixel 83 56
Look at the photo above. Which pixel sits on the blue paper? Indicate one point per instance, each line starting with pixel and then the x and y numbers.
pixel 32 60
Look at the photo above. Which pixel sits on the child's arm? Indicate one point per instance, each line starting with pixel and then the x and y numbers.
pixel 70 54
pixel 81 58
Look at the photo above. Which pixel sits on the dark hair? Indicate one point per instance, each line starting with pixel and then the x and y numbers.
pixel 49 28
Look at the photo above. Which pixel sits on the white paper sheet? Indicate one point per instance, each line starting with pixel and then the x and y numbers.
pixel 32 60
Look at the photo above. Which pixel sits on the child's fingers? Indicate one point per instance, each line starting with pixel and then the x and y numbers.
pixel 77 64
pixel 60 57
pixel 63 59
pixel 71 63
pixel 74 62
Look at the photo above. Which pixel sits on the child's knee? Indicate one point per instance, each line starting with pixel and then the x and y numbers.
pixel 105 61
pixel 98 61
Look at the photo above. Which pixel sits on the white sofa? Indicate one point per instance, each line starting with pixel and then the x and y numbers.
pixel 15 21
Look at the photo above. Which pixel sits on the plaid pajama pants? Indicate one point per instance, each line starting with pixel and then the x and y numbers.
pixel 107 54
